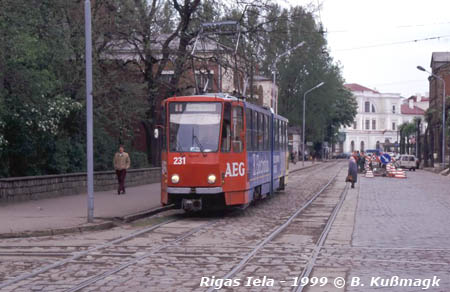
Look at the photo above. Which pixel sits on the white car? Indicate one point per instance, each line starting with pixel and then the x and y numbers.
pixel 407 161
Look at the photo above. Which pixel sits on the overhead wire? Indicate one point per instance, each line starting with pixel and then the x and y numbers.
pixel 394 43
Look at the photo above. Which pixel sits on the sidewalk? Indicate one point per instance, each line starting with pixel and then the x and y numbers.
pixel 69 213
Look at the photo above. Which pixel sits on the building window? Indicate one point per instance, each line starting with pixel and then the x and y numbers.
pixel 393 109
pixel 354 125
pixel 367 125
pixel 361 148
pixel 367 107
pixel 393 126
pixel 205 81
pixel 373 108
pixel 166 77
pixel 352 146
pixel 374 124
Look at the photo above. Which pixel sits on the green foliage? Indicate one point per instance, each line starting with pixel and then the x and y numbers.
pixel 42 116
pixel 328 107
pixel 42 83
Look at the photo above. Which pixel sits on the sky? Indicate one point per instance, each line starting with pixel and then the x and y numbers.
pixel 380 43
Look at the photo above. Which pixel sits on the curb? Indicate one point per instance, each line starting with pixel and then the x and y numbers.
pixel 108 224
pixel 306 167
pixel 143 214
pixel 58 231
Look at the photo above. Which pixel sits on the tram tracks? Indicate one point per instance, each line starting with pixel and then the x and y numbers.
pixel 87 256
pixel 269 254
pixel 122 253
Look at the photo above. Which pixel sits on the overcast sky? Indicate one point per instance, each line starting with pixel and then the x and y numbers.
pixel 380 43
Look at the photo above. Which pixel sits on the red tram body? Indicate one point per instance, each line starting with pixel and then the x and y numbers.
pixel 220 151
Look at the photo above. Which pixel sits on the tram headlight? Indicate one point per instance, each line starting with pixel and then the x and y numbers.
pixel 211 178
pixel 175 178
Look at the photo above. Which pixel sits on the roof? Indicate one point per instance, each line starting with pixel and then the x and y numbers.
pixel 440 57
pixel 414 98
pixel 261 78
pixel 406 110
pixel 357 87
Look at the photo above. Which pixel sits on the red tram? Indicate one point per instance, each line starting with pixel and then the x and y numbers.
pixel 220 151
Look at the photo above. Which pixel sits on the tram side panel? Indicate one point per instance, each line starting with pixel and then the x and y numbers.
pixel 279 163
pixel 258 122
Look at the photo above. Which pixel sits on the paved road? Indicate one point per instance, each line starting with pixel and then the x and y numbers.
pixel 386 228
pixel 71 211
pixel 147 263
pixel 392 227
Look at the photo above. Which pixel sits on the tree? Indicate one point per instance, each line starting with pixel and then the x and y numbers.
pixel 329 107
pixel 407 129
pixel 35 106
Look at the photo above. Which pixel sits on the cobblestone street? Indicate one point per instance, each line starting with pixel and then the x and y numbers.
pixel 384 228
pixel 402 229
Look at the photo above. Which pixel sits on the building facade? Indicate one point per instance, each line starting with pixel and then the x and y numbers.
pixel 376 122
pixel 440 66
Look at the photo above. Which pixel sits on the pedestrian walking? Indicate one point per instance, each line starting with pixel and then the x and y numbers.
pixel 352 171
pixel 362 161
pixel 121 164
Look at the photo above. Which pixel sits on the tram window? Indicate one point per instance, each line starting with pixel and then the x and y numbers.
pixel 163 130
pixel 255 130
pixel 226 128
pixel 275 133
pixel 266 132
pixel 261 131
pixel 281 135
pixel 285 137
pixel 237 134
pixel 248 117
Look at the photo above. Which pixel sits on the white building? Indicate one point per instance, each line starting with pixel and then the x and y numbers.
pixel 376 122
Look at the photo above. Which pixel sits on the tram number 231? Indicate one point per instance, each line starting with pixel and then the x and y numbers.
pixel 179 160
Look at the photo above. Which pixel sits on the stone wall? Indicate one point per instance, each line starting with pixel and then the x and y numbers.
pixel 37 187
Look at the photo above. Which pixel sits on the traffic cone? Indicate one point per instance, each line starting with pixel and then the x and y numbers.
pixel 400 174
pixel 389 169
pixel 369 174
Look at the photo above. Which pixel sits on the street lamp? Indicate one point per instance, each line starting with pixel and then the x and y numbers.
pixel 443 112
pixel 89 127
pixel 303 131
pixel 274 71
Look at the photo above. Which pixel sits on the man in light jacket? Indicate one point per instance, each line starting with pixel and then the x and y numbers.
pixel 121 164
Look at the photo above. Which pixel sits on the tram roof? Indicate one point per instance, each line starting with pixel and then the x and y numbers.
pixel 229 97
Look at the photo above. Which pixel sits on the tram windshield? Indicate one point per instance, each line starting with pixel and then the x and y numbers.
pixel 194 126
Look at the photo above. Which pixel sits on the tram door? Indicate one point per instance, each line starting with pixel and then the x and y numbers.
pixel 234 168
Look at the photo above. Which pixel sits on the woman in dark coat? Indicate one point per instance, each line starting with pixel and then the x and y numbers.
pixel 353 170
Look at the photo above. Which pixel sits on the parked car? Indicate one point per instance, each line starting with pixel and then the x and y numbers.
pixel 344 155
pixel 407 161
pixel 373 151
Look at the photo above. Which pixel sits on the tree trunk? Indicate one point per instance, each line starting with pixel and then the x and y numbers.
pixel 425 148
pixel 432 146
pixel 440 143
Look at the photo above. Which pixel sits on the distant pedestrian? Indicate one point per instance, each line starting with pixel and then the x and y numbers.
pixel 352 171
pixel 121 164
pixel 362 161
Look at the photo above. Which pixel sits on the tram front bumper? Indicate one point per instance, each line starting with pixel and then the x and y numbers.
pixel 200 191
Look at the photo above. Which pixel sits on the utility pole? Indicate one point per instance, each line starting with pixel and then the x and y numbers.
pixel 89 127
